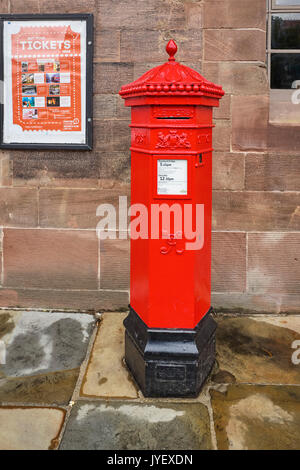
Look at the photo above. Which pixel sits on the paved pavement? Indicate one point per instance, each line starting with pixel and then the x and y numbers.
pixel 63 385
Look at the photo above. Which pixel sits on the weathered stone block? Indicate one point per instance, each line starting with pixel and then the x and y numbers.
pixel 65 6
pixel 245 303
pixel 114 262
pixel 154 15
pixel 179 426
pixel 121 135
pixel 115 171
pixel 231 44
pixel 234 14
pixel 123 112
pixel 272 172
pixel 223 111
pixel 262 343
pixel 228 262
pixel 19 6
pixel 52 259
pixel 110 76
pixel 284 138
pixel 274 262
pixel 18 207
pixel 133 49
pixel 4 6
pixel 228 170
pixel 102 135
pixel 221 136
pixel 133 46
pixel 30 428
pixel 43 388
pixel 105 106
pixel 250 303
pixel 251 417
pixel 74 208
pixel 238 78
pixel 194 14
pixel 249 122
pixel 107 376
pixel 107 45
pixel 78 299
pixel 256 211
pixel 46 371
pixel 69 168
pixel 112 135
pixel 288 303
pixel 5 169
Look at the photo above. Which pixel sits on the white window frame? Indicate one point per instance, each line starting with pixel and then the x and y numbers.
pixel 284 7
pixel 281 111
pixel 273 9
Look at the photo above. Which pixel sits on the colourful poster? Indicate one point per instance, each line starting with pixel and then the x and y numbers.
pixel 44 81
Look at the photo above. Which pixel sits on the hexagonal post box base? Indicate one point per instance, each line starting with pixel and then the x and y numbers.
pixel 169 362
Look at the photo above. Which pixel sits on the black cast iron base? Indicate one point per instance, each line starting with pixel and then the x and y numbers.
pixel 169 362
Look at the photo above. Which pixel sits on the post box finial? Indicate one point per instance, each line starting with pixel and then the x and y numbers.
pixel 171 49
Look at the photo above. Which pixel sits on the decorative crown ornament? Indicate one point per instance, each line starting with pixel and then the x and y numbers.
pixel 171 78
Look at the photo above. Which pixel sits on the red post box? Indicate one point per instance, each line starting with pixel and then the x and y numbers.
pixel 170 333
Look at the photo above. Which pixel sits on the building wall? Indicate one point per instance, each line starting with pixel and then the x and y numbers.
pixel 51 257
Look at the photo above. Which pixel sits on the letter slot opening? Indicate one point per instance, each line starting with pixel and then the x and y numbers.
pixel 174 117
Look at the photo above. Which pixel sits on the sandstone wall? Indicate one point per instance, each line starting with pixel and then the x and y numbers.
pixel 51 257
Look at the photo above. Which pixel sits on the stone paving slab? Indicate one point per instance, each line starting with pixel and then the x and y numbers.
pixel 250 417
pixel 30 428
pixel 106 375
pixel 44 351
pixel 257 350
pixel 51 388
pixel 127 425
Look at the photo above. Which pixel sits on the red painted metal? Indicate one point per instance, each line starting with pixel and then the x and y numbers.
pixel 172 106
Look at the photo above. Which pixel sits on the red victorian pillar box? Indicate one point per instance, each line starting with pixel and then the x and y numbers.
pixel 170 333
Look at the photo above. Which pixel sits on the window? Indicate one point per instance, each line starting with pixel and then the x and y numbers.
pixel 283 58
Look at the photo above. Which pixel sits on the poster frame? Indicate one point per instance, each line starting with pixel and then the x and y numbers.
pixel 89 18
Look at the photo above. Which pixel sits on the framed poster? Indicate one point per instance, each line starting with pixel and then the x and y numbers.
pixel 47 76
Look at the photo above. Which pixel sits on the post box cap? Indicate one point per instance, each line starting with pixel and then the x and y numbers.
pixel 172 78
